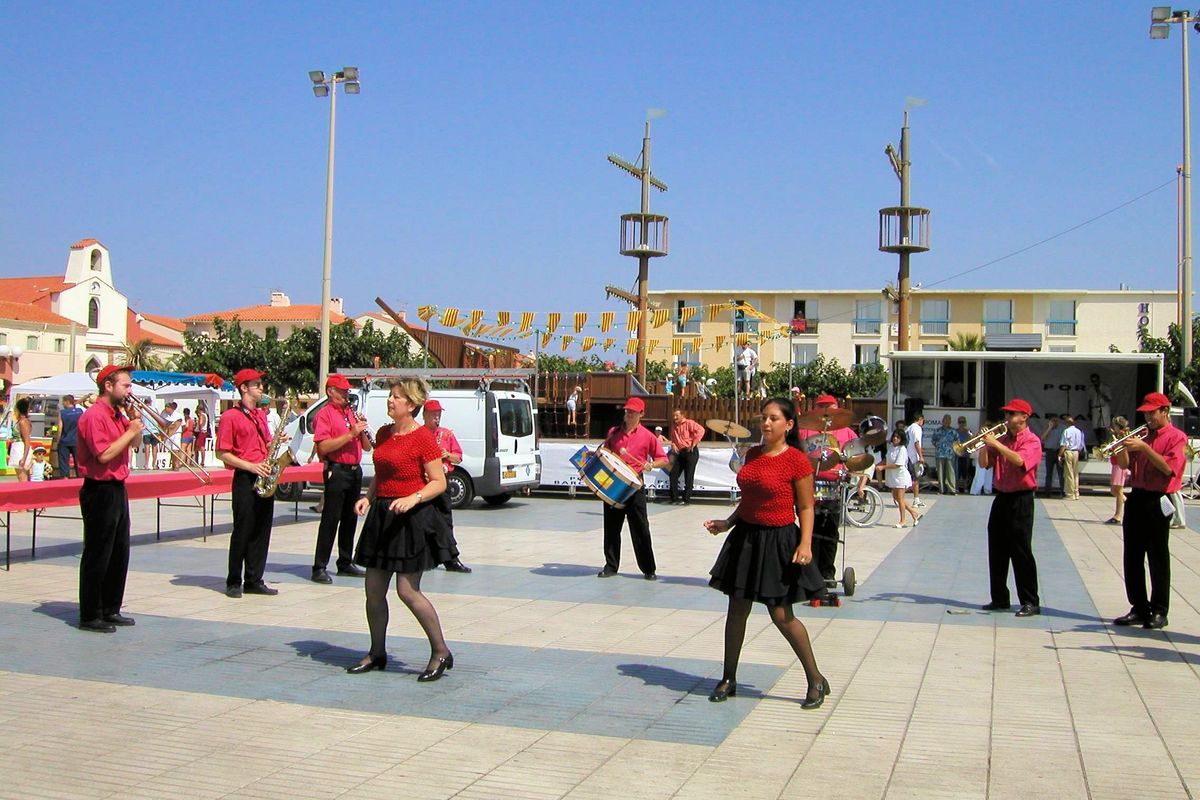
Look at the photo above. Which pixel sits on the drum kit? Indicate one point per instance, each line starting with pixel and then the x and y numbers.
pixel 823 448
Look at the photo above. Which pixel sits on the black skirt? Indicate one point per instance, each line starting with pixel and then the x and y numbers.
pixel 756 564
pixel 414 541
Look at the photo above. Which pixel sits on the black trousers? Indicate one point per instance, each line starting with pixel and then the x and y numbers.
pixel 1010 539
pixel 1147 531
pixel 343 486
pixel 66 454
pixel 105 561
pixel 685 464
pixel 826 530
pixel 1052 465
pixel 252 518
pixel 639 533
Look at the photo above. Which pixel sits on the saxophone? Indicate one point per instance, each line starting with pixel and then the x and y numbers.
pixel 266 485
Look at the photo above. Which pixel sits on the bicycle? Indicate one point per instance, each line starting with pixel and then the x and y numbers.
pixel 865 510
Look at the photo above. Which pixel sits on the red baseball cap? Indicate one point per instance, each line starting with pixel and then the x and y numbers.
pixel 825 399
pixel 636 404
pixel 1154 401
pixel 336 381
pixel 1018 405
pixel 433 405
pixel 247 375
pixel 104 374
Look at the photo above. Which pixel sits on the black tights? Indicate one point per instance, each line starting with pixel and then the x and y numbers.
pixel 408 587
pixel 792 629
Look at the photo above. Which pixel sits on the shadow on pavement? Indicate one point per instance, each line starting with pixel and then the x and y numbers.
pixel 214 582
pixel 60 610
pixel 556 570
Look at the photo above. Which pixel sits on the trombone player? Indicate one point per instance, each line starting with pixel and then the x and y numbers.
pixel 1015 455
pixel 1155 457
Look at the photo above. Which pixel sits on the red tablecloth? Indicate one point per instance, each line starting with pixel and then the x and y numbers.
pixel 51 494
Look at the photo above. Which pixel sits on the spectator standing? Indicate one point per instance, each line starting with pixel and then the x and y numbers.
pixel 1069 448
pixel 747 365
pixel 916 456
pixel 966 465
pixel 686 435
pixel 1051 442
pixel 68 433
pixel 947 461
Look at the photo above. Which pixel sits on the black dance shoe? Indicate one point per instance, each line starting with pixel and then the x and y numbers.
pixel 726 688
pixel 369 663
pixel 1028 610
pixel 352 571
pixel 233 591
pixel 119 619
pixel 996 606
pixel 606 573
pixel 433 674
pixel 822 690
pixel 457 566
pixel 321 576
pixel 97 626
pixel 260 588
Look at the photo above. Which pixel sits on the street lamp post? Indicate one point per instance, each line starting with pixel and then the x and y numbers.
pixel 1161 19
pixel 323 86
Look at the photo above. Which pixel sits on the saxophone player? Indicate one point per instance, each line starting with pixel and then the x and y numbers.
pixel 242 445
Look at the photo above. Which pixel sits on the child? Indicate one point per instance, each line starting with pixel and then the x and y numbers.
pixel 897 477
pixel 40 467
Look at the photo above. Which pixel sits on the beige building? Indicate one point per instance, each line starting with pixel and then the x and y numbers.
pixel 856 327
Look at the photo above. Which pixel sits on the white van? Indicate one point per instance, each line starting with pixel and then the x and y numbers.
pixel 495 427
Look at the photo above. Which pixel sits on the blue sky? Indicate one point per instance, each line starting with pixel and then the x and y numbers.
pixel 471 170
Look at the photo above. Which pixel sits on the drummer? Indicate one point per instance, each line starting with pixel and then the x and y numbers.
pixel 640 449
pixel 825 527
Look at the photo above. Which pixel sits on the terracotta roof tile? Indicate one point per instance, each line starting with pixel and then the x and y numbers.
pixel 268 313
pixel 25 312
pixel 32 289
pixel 134 332
pixel 82 243
pixel 174 323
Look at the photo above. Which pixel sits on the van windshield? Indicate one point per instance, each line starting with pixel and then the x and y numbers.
pixel 516 418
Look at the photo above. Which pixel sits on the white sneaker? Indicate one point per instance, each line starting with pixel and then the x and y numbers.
pixel 918 504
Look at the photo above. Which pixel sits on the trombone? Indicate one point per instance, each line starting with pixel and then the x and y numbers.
pixel 976 442
pixel 1117 445
pixel 140 407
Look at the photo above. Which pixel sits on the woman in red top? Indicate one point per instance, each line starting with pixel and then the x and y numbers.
pixel 767 557
pixel 404 534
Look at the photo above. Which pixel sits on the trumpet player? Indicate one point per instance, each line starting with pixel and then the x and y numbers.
pixel 340 437
pixel 1015 456
pixel 242 443
pixel 105 436
pixel 1156 467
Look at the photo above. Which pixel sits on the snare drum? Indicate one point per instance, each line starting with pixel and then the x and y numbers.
pixel 873 431
pixel 827 495
pixel 607 475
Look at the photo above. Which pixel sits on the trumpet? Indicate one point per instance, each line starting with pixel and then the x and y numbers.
pixel 1117 445
pixel 138 406
pixel 976 442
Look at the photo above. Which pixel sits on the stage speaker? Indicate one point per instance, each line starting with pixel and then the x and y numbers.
pixel 912 407
pixel 1191 422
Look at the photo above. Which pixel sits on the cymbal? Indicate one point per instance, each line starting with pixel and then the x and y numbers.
pixel 727 428
pixel 860 463
pixel 874 439
pixel 815 420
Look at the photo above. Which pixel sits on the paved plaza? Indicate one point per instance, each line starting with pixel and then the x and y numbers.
pixel 569 686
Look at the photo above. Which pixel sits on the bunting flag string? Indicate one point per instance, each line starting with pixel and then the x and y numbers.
pixel 685 315
pixel 450 318
pixel 426 313
pixel 659 317
pixel 476 316
pixel 580 321
pixel 633 321
pixel 526 320
pixel 606 321
pixel 588 343
pixel 552 320
pixel 503 318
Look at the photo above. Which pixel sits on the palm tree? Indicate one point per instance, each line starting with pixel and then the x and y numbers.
pixel 966 341
pixel 140 355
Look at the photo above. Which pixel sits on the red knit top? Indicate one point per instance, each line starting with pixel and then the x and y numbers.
pixel 400 460
pixel 766 484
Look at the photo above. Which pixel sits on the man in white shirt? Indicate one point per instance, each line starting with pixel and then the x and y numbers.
pixel 916 456
pixel 747 364
pixel 174 430
pixel 1070 446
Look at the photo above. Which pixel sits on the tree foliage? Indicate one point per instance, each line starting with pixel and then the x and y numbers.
pixel 292 364
pixel 1170 347
pixel 966 341
pixel 139 355
pixel 825 375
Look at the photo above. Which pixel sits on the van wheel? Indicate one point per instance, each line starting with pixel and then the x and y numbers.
pixel 459 490
pixel 289 492
pixel 497 499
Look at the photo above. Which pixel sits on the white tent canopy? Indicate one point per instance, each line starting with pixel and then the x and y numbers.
pixel 207 393
pixel 74 383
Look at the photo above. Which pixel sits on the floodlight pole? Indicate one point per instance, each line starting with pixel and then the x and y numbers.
pixel 327 262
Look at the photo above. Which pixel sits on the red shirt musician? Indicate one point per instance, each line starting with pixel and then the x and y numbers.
pixel 452 455
pixel 105 435
pixel 686 435
pixel 641 450
pixel 1155 465
pixel 825 532
pixel 339 436
pixel 1015 456
pixel 243 439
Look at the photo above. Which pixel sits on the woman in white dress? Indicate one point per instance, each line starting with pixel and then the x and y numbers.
pixel 897 477
pixel 20 451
